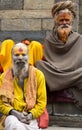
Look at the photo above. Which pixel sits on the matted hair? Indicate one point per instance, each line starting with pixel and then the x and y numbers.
pixel 63 5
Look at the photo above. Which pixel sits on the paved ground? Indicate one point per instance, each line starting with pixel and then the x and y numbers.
pixel 62 128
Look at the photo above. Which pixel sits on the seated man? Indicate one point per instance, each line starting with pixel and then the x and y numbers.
pixel 22 92
pixel 63 53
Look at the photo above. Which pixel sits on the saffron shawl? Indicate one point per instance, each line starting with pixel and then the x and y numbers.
pixel 7 88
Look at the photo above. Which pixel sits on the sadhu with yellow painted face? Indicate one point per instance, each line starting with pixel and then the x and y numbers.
pixel 35 52
pixel 63 53
pixel 22 92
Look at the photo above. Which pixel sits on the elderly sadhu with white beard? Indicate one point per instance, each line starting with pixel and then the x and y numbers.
pixel 22 92
pixel 62 66
pixel 35 52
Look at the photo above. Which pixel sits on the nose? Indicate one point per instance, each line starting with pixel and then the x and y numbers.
pixel 20 56
pixel 64 22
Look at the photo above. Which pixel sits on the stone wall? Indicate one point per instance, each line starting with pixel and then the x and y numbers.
pixel 32 19
pixel 80 16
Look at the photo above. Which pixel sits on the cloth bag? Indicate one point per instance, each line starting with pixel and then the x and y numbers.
pixel 43 120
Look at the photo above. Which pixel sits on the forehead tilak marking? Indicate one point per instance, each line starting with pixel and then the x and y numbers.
pixel 64 15
pixel 20 50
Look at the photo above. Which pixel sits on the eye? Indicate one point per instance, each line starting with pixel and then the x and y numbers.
pixel 61 20
pixel 67 20
pixel 16 54
pixel 23 54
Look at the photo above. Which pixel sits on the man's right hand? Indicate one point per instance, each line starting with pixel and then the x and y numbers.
pixel 22 116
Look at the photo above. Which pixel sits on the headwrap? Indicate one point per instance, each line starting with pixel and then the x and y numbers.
pixel 64 5
pixel 26 41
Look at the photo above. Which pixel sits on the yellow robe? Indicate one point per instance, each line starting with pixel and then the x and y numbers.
pixel 19 102
pixel 5 54
pixel 35 53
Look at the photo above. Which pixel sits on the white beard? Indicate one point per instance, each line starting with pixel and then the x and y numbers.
pixel 20 72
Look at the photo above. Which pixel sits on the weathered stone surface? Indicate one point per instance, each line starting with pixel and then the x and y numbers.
pixel 66 120
pixel 75 25
pixel 80 25
pixel 21 24
pixel 47 24
pixel 11 4
pixel 38 4
pixel 17 19
pixel 17 36
pixel 25 14
pixel 80 10
pixel 64 114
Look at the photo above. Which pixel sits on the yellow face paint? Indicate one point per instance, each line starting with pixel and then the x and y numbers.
pixel 20 50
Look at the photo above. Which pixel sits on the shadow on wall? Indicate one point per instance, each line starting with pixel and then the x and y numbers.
pixel 20 35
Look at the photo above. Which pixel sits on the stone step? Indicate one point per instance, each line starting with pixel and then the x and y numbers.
pixel 62 128
pixel 65 114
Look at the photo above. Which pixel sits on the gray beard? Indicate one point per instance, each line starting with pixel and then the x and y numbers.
pixel 20 72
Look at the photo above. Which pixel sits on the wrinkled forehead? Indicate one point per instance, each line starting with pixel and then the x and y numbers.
pixel 20 48
pixel 64 14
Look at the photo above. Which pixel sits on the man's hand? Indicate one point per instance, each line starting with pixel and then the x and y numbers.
pixel 22 116
pixel 28 117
